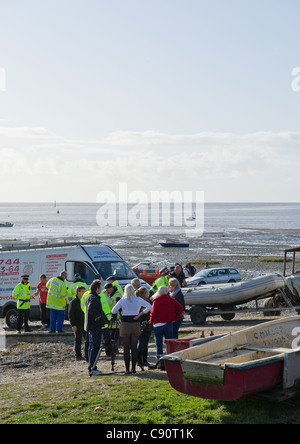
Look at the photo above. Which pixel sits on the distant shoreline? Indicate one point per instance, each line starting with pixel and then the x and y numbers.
pixel 289 230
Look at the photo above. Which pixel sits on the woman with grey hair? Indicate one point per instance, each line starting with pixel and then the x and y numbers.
pixel 130 329
pixel 165 311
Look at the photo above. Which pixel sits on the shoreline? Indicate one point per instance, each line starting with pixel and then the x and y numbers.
pixel 226 250
pixel 279 230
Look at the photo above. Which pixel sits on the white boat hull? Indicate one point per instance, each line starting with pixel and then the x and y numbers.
pixel 235 293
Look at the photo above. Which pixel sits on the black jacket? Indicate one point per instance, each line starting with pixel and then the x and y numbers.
pixel 76 315
pixel 179 298
pixel 95 318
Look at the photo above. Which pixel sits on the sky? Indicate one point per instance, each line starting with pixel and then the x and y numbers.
pixel 175 95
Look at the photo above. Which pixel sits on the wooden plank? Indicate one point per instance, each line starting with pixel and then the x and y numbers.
pixel 203 372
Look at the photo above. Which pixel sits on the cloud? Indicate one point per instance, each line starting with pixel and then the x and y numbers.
pixel 26 132
pixel 223 164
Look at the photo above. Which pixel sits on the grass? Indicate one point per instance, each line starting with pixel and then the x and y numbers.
pixel 204 262
pixel 276 259
pixel 146 398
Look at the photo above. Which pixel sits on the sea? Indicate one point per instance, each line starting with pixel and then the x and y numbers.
pixel 228 228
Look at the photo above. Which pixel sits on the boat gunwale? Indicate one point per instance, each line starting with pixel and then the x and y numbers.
pixel 180 355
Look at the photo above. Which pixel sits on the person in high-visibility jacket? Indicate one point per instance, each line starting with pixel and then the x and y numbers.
pixel 105 302
pixel 107 311
pixel 57 301
pixel 162 281
pixel 114 296
pixel 78 282
pixel 115 283
pixel 22 292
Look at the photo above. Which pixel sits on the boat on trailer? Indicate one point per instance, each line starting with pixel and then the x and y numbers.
pixel 241 364
pixel 234 293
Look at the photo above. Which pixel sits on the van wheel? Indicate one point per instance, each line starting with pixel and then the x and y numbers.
pixel 11 318
pixel 198 315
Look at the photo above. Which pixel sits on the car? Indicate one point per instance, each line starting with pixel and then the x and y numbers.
pixel 214 276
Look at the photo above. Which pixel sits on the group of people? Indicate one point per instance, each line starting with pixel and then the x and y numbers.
pixel 101 316
pixel 133 315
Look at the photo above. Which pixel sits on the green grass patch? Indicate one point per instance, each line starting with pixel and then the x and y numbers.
pixel 276 259
pixel 204 262
pixel 146 398
pixel 271 259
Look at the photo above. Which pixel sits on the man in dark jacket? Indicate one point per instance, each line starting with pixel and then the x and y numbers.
pixel 76 318
pixel 94 321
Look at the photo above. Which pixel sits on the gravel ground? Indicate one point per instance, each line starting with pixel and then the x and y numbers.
pixel 34 362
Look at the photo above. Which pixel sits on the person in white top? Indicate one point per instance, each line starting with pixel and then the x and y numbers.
pixel 130 328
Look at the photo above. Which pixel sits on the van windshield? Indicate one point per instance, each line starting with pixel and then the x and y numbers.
pixel 120 270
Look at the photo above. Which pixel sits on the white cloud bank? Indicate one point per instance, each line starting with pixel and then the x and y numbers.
pixel 37 166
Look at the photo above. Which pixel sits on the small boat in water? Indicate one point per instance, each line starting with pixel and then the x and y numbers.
pixel 240 364
pixel 6 225
pixel 174 243
pixel 191 218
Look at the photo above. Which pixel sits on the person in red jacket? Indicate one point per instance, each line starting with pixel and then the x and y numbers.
pixel 165 311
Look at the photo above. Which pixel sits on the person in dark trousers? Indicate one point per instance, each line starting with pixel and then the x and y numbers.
pixel 94 321
pixel 165 311
pixel 22 292
pixel 76 318
pixel 176 293
pixel 146 330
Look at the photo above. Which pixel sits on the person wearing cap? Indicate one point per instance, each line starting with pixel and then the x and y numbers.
pixel 115 283
pixel 78 282
pixel 22 292
pixel 161 281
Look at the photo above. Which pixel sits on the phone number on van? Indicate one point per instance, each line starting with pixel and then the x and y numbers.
pixel 9 267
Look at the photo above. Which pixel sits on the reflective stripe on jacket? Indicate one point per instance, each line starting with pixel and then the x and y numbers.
pixel 22 292
pixel 57 294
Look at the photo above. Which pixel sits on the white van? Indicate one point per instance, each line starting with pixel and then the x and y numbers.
pixel 90 261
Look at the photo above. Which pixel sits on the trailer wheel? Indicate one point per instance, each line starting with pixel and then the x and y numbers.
pixel 269 303
pixel 228 317
pixel 11 318
pixel 198 315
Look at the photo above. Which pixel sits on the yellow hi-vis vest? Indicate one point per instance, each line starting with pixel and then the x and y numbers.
pixel 72 289
pixel 83 299
pixel 112 303
pixel 22 292
pixel 116 284
pixel 104 302
pixel 57 294
pixel 161 281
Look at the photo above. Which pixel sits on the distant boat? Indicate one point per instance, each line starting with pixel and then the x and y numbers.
pixel 190 218
pixel 174 243
pixel 6 225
